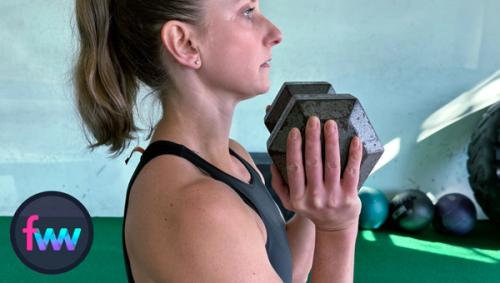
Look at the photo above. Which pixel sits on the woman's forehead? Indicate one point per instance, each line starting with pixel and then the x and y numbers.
pixel 223 9
pixel 225 5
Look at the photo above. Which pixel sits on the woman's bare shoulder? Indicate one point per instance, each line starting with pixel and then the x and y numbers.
pixel 161 179
pixel 207 225
pixel 170 171
pixel 169 181
pixel 171 215
pixel 166 177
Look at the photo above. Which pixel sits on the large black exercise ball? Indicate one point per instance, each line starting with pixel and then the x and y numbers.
pixel 411 210
pixel 454 214
pixel 483 163
pixel 374 208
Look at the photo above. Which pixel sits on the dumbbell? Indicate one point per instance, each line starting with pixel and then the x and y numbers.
pixel 297 101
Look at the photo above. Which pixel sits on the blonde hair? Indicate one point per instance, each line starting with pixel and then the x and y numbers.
pixel 120 46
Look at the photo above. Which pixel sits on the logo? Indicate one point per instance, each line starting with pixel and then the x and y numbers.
pixel 51 232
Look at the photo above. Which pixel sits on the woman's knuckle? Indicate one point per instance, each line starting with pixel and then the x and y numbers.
pixel 292 167
pixel 295 201
pixel 312 162
pixel 332 165
pixel 331 204
pixel 350 171
pixel 316 202
pixel 358 202
pixel 314 192
pixel 299 206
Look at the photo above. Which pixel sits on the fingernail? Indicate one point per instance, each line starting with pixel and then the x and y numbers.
pixel 295 133
pixel 330 125
pixel 313 122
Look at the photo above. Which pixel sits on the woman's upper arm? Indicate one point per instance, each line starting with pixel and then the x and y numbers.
pixel 210 238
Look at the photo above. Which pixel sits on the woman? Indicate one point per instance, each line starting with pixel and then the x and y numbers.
pixel 197 209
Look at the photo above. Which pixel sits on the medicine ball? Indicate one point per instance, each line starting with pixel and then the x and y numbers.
pixel 374 208
pixel 483 163
pixel 411 210
pixel 454 214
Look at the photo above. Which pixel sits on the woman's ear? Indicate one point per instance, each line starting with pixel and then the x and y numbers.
pixel 178 38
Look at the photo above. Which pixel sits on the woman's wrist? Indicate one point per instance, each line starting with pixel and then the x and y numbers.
pixel 349 229
pixel 303 219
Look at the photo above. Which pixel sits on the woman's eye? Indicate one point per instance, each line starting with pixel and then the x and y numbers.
pixel 248 13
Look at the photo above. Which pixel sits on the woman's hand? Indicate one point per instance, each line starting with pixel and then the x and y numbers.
pixel 317 190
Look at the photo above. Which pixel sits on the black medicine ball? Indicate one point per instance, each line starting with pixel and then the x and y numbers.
pixel 411 210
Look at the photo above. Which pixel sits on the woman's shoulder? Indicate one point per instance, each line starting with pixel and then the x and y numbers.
pixel 163 175
pixel 173 217
pixel 153 185
pixel 181 171
pixel 167 176
pixel 185 187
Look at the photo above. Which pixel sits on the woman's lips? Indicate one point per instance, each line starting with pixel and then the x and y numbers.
pixel 266 64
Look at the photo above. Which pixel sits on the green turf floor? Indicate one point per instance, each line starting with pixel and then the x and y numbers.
pixel 381 256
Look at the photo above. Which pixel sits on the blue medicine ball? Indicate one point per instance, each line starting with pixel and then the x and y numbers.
pixel 455 214
pixel 374 210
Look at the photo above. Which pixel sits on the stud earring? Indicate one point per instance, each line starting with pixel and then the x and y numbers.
pixel 197 62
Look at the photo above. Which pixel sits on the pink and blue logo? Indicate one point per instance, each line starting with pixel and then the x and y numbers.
pixel 51 232
pixel 49 236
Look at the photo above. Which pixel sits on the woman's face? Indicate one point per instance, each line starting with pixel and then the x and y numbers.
pixel 236 46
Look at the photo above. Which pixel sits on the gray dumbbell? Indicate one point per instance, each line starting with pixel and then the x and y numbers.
pixel 297 101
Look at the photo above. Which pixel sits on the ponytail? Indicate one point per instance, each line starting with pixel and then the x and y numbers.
pixel 105 87
pixel 120 46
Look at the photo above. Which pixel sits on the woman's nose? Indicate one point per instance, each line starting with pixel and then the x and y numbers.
pixel 274 36
pixel 278 37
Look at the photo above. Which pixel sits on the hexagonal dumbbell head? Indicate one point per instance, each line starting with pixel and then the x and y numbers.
pixel 288 90
pixel 351 120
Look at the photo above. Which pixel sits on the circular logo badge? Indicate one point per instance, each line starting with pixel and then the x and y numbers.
pixel 51 232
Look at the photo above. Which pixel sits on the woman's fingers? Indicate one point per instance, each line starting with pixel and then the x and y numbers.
pixel 350 178
pixel 280 187
pixel 332 154
pixel 294 165
pixel 313 159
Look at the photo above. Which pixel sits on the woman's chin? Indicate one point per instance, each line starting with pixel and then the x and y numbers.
pixel 264 86
pixel 261 91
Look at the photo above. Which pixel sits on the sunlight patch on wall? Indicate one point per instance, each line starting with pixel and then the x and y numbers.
pixel 391 150
pixel 481 96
